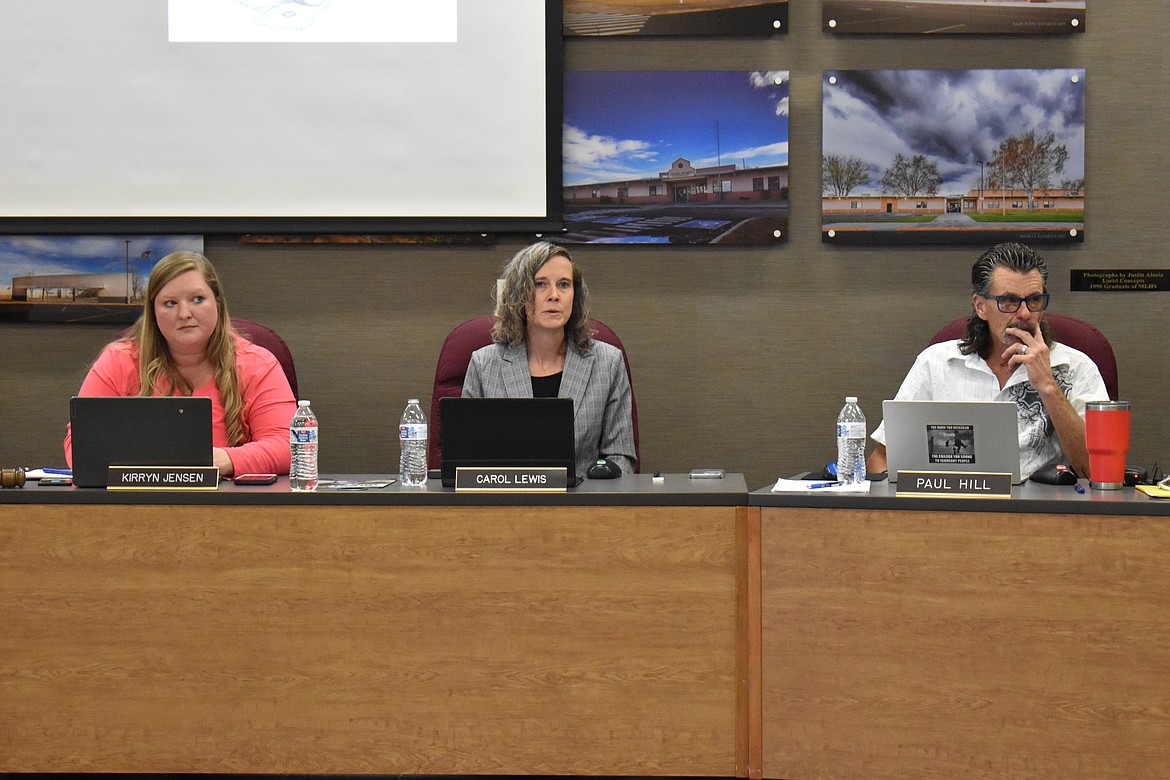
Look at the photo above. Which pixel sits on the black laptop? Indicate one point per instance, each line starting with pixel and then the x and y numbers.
pixel 137 431
pixel 526 432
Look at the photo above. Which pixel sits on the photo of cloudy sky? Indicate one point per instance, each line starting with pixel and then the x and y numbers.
pixel 676 156
pixel 42 255
pixel 963 136
pixel 941 17
pixel 113 258
pixel 626 124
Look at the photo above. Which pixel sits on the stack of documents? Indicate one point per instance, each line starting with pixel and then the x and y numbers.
pixel 817 486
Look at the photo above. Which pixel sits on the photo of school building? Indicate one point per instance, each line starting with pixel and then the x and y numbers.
pixel 1009 201
pixel 96 288
pixel 684 183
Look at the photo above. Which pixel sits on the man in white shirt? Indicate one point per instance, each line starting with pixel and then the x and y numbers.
pixel 1008 355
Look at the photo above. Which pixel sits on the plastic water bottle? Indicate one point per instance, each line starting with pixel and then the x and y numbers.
pixel 302 438
pixel 412 435
pixel 851 443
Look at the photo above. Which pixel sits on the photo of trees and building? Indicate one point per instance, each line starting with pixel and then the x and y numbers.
pixel 674 17
pixel 963 156
pixel 942 17
pixel 81 279
pixel 694 157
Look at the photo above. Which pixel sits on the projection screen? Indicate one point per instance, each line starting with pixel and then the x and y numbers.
pixel 222 116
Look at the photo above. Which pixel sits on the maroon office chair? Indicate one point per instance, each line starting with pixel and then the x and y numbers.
pixel 455 354
pixel 266 337
pixel 1075 333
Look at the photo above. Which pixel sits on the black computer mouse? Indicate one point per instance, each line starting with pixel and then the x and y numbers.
pixel 604 469
pixel 1134 475
pixel 1055 475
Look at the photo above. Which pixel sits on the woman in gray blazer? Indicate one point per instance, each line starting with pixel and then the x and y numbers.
pixel 543 348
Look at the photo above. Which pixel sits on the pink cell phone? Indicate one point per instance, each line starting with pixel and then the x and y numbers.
pixel 255 479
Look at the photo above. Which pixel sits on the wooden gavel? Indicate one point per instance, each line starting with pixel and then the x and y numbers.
pixel 11 478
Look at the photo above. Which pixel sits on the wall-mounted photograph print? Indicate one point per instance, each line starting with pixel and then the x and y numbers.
pixel 674 17
pixel 953 156
pixel 941 17
pixel 80 279
pixel 670 157
pixel 400 239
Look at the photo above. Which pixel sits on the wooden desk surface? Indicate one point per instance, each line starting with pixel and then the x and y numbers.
pixel 372 639
pixel 1027 499
pixel 631 633
pixel 627 490
pixel 902 644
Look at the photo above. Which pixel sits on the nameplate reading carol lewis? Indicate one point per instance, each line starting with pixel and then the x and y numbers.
pixel 954 484
pixel 509 479
pixel 162 478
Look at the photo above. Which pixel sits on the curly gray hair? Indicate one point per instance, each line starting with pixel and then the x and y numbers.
pixel 517 290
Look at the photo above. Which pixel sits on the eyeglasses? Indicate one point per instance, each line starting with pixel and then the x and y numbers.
pixel 1010 304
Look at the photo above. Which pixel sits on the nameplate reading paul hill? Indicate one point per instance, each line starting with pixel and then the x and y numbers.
pixel 952 484
pixel 162 478
pixel 510 479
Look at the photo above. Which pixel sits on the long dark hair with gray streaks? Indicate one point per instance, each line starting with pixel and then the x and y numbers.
pixel 1013 256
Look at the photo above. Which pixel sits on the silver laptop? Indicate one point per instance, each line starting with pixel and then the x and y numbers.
pixel 980 436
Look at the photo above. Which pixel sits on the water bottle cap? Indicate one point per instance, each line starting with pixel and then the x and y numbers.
pixel 850 399
pixel 302 403
pixel 412 400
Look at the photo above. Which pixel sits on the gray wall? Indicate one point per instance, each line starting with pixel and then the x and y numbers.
pixel 741 357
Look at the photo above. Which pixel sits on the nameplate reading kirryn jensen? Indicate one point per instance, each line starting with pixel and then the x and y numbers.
pixel 162 478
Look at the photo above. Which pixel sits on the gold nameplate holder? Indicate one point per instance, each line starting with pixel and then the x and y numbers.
pixel 162 478
pixel 509 479
pixel 954 484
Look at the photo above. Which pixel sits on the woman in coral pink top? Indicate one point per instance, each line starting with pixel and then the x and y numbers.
pixel 183 344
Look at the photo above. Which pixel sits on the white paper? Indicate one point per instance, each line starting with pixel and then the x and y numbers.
pixel 44 473
pixel 805 486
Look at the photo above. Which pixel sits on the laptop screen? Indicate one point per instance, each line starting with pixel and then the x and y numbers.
pixel 137 431
pixel 955 436
pixel 506 432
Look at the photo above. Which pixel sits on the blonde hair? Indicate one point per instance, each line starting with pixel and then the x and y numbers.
pixel 154 356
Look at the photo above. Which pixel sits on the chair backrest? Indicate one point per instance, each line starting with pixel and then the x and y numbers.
pixel 455 354
pixel 1075 333
pixel 266 337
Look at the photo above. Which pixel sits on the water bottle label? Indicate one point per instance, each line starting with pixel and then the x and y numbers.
pixel 851 430
pixel 412 432
pixel 302 435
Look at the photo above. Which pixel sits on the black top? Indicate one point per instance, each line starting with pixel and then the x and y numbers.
pixel 547 386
